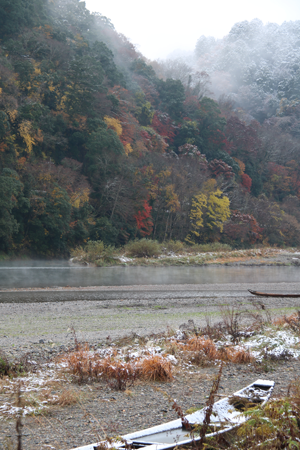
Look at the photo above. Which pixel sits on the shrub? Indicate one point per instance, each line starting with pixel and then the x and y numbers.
pixel 95 252
pixel 5 367
pixel 143 248
pixel 174 246
pixel 15 367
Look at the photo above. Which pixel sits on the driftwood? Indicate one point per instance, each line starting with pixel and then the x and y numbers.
pixel 265 294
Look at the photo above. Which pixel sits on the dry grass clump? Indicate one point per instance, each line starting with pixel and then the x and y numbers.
pixel 66 397
pixel 202 351
pixel 86 366
pixel 292 321
pixel 155 368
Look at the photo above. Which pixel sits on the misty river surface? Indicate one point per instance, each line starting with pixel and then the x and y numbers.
pixel 26 274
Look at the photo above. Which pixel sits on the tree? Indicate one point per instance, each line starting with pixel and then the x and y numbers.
pixel 242 229
pixel 209 212
pixel 10 188
pixel 20 13
pixel 144 220
pixel 171 93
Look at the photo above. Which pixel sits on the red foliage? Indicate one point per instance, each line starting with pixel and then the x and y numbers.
pixel 243 227
pixel 219 167
pixel 162 124
pixel 129 127
pixel 246 181
pixel 276 169
pixel 143 220
pixel 220 140
pixel 243 138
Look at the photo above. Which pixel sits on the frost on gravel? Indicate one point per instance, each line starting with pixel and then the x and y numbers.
pixel 274 343
pixel 31 387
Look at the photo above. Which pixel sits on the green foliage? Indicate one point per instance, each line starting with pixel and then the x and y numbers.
pixel 144 111
pixel 141 68
pixel 276 426
pixel 10 188
pixel 172 96
pixel 20 13
pixel 173 246
pixel 95 252
pixel 104 230
pixel 67 77
pixel 50 216
pixel 143 248
pixel 103 143
pixel 4 124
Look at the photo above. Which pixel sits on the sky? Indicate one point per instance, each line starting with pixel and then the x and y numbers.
pixel 159 27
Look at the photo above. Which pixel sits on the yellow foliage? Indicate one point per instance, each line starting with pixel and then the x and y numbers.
pixel 210 208
pixel 79 198
pixel 241 166
pixel 172 201
pixel 164 174
pixel 79 41
pixel 199 203
pixel 37 70
pixel 0 90
pixel 128 149
pixel 51 87
pixel 114 124
pixel 218 209
pixel 26 132
pixel 62 104
pixel 12 114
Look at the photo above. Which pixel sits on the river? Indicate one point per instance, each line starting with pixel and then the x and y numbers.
pixel 41 274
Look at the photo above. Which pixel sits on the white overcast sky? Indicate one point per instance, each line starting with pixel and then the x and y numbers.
pixel 158 27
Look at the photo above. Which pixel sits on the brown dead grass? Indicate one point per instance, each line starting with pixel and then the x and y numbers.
pixel 286 320
pixel 85 365
pixel 66 397
pixel 201 351
pixel 155 368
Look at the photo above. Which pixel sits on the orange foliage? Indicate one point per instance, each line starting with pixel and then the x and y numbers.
pixel 3 146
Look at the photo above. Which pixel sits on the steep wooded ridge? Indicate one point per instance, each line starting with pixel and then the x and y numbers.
pixel 96 143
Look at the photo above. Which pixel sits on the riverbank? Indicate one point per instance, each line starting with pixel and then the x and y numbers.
pixel 249 257
pixel 37 325
pixel 64 412
pixel 30 315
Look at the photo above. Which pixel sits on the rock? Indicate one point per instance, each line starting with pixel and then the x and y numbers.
pixel 190 326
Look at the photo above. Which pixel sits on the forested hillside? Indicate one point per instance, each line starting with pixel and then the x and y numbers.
pixel 97 144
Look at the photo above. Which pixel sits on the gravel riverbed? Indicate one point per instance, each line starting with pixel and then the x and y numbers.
pixel 39 321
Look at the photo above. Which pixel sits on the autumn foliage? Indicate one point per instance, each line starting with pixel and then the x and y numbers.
pixel 97 144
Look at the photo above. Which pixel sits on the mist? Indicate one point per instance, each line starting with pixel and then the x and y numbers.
pixel 162 27
pixel 40 274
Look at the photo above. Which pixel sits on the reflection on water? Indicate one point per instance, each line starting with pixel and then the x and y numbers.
pixel 61 273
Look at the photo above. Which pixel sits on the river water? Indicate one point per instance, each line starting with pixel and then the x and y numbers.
pixel 25 274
